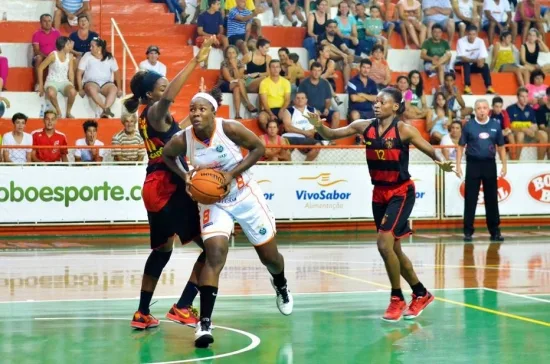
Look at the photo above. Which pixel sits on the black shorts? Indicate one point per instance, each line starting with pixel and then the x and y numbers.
pixel 235 38
pixel 392 206
pixel 179 216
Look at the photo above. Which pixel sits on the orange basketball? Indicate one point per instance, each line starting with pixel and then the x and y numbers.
pixel 206 186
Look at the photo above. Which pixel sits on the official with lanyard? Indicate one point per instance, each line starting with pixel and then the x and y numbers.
pixel 481 135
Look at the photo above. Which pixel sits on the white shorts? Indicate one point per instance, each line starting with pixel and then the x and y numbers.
pixel 248 207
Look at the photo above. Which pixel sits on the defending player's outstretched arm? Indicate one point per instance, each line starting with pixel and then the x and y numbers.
pixel 357 127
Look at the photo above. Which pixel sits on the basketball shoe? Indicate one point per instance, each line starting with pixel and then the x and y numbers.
pixel 417 305
pixel 203 334
pixel 285 302
pixel 185 316
pixel 141 321
pixel 395 309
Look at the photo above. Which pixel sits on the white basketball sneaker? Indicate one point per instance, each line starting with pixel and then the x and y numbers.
pixel 203 334
pixel 285 302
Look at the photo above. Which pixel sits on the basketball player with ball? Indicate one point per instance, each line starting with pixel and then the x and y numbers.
pixel 225 190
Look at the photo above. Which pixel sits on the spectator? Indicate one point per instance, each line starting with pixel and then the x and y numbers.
pixel 298 130
pixel 316 23
pixel 68 12
pixel 232 80
pixel 501 115
pixel 360 18
pixel 390 17
pixel 210 23
pixel 329 69
pixel 497 15
pixel 537 89
pixel 3 72
pixel 294 7
pixel 48 136
pixel 177 8
pixel 466 12
pixel 17 137
pixel 338 49
pixel 362 93
pixel 284 53
pixel 272 138
pixel 239 22
pixel 347 29
pixel 454 97
pixel 419 107
pixel 504 59
pixel 438 123
pixel 256 65
pixel 528 14
pixel 451 140
pixel 43 42
pixel 152 62
pixel 318 93
pixel 374 27
pixel 530 51
pixel 439 12
pixel 90 139
pixel 295 70
pixel 274 95
pixel 82 38
pixel 404 85
pixel 524 123
pixel 410 14
pixel 60 76
pixel 128 136
pixel 95 74
pixel 436 53
pixel 380 71
pixel 472 53
pixel 543 115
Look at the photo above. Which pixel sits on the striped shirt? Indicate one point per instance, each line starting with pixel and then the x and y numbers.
pixel 72 6
pixel 121 138
pixel 235 27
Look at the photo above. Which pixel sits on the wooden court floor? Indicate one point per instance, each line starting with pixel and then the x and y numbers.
pixel 70 300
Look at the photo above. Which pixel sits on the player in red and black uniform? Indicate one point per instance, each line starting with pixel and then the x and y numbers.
pixel 170 209
pixel 387 141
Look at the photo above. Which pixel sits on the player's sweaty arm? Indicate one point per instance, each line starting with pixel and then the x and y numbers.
pixel 357 127
pixel 244 138
pixel 172 150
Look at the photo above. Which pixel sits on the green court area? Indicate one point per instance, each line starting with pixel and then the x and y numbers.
pixel 463 326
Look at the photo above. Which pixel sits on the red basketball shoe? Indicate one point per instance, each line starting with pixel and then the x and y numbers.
pixel 141 321
pixel 417 305
pixel 395 310
pixel 185 316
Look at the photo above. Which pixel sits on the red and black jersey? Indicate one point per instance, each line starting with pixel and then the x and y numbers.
pixel 387 155
pixel 155 141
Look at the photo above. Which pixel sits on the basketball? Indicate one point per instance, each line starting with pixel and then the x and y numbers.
pixel 206 186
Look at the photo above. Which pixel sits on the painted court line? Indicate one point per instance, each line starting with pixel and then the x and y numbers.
pixel 517 295
pixel 255 341
pixel 474 307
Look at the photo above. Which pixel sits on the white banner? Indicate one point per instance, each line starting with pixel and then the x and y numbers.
pixel 113 193
pixel 524 191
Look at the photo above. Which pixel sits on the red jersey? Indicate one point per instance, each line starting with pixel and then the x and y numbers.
pixel 40 137
pixel 387 155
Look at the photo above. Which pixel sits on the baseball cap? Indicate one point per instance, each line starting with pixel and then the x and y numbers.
pixel 153 48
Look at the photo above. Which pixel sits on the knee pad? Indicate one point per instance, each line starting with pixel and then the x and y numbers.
pixel 202 257
pixel 156 262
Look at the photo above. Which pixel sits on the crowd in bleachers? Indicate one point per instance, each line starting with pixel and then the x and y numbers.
pixel 353 45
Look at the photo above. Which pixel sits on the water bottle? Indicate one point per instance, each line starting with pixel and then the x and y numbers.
pixel 5 16
pixel 42 109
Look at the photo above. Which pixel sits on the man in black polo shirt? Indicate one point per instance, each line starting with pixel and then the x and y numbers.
pixel 481 135
pixel 339 51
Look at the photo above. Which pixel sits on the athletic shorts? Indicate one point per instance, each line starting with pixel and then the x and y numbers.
pixel 392 206
pixel 170 210
pixel 248 207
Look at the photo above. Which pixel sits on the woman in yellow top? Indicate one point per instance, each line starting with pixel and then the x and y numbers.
pixel 504 59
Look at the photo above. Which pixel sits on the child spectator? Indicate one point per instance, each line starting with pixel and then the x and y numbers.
pixel 499 113
pixel 128 136
pixel 373 28
pixel 438 124
pixel 454 97
pixel 209 23
pixel 537 89
pixel 152 62
pixel 43 42
pixel 543 114
pixel 48 136
pixel 68 12
pixel 451 139
pixel 272 138
pixel 504 59
pixel 90 139
pixel 17 137
pixel 60 76
pixel 380 71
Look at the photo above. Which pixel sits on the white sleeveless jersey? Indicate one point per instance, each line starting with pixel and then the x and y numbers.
pixel 220 154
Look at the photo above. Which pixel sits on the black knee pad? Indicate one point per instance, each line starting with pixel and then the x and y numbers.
pixel 202 257
pixel 156 262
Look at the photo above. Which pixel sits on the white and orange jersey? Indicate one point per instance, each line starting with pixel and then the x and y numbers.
pixel 219 153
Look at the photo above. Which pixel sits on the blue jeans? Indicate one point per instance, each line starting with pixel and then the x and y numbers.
pixel 173 6
pixel 364 46
pixel 311 46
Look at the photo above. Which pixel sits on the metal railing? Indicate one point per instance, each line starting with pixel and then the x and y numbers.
pixel 125 51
